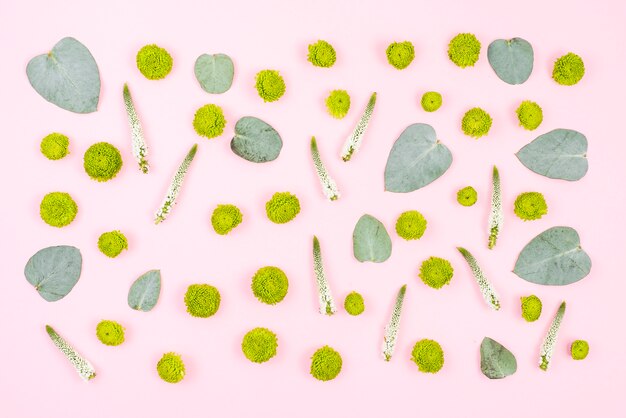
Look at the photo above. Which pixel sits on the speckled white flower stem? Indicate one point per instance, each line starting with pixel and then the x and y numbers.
pixel 328 184
pixel 82 366
pixel 496 216
pixel 327 304
pixel 549 342
pixel 353 142
pixel 139 147
pixel 486 288
pixel 175 186
pixel 391 330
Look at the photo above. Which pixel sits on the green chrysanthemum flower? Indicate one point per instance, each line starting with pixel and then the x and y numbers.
pixel 112 243
pixel 400 54
pixel 326 364
pixel 154 62
pixel 282 207
pixel 209 121
pixel 529 115
pixel 467 196
pixel 202 300
pixel 431 101
pixel 110 333
pixel 58 209
pixel 568 69
pixel 338 103
pixel 411 225
pixel 579 349
pixel 530 206
pixel 259 345
pixel 436 272
pixel 270 85
pixel 102 161
pixel 225 218
pixel 531 308
pixel 322 54
pixel 464 50
pixel 171 368
pixel 428 355
pixel 476 122
pixel 54 146
pixel 354 304
pixel 270 285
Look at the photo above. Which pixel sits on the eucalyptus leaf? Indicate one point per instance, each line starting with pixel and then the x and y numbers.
pixel 54 271
pixel 214 72
pixel 496 361
pixel 553 258
pixel 417 158
pixel 144 293
pixel 255 140
pixel 558 154
pixel 67 76
pixel 370 240
pixel 511 59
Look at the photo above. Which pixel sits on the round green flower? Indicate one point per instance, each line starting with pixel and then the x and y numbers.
pixel 209 121
pixel 326 364
pixel 354 304
pixel 110 333
pixel 54 146
pixel 259 345
pixel 476 122
pixel 202 300
pixel 58 209
pixel 322 54
pixel 568 69
pixel 112 243
pixel 270 285
pixel 411 225
pixel 579 349
pixel 428 356
pixel 467 196
pixel 529 115
pixel 431 101
pixel 225 218
pixel 400 54
pixel 530 206
pixel 154 62
pixel 270 85
pixel 102 161
pixel 282 207
pixel 171 368
pixel 464 50
pixel 436 272
pixel 338 103
pixel 531 308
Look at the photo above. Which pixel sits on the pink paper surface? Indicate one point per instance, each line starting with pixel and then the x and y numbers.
pixel 35 379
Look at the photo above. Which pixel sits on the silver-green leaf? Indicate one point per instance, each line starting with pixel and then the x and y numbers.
pixel 144 293
pixel 553 258
pixel 214 72
pixel 255 140
pixel 511 59
pixel 416 159
pixel 67 76
pixel 54 271
pixel 558 154
pixel 370 240
pixel 496 361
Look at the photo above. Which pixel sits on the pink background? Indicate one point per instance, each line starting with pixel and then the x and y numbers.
pixel 35 380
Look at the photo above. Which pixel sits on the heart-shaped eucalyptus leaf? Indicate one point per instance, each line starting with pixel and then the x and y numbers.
pixel 553 258
pixel 67 76
pixel 214 72
pixel 511 59
pixel 54 271
pixel 370 240
pixel 255 140
pixel 144 293
pixel 496 361
pixel 416 159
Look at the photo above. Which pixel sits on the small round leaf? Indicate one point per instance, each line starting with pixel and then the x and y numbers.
pixel 511 59
pixel 214 72
pixel 144 293
pixel 255 140
pixel 370 240
pixel 54 271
